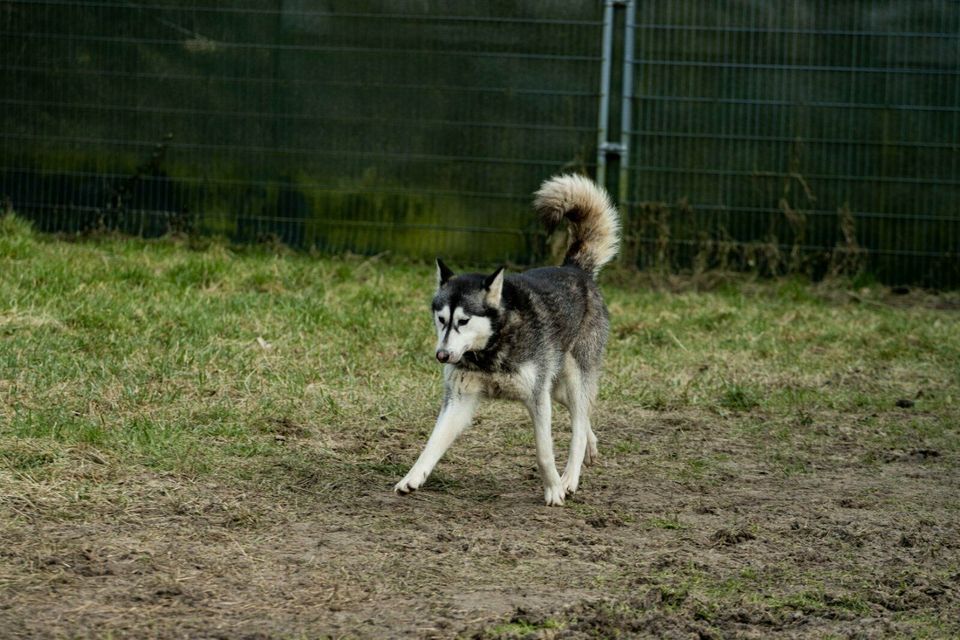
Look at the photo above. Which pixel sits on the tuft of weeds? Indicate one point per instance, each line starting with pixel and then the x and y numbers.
pixel 738 397
pixel 518 628
pixel 17 240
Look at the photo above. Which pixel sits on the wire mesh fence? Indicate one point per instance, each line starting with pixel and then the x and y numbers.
pixel 418 128
pixel 809 134
pixel 788 134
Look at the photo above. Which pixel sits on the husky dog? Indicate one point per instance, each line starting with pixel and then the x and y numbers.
pixel 530 337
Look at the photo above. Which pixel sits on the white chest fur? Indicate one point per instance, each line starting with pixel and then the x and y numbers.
pixel 512 386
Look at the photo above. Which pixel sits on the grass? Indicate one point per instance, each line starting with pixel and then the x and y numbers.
pixel 238 392
pixel 153 350
pixel 519 628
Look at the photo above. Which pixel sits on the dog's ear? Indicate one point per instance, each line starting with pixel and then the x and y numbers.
pixel 494 286
pixel 443 273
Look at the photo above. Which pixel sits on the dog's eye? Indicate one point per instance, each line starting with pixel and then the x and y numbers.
pixel 463 321
pixel 441 320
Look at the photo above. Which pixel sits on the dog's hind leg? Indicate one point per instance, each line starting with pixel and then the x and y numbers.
pixel 578 402
pixel 591 385
pixel 592 454
pixel 541 414
pixel 455 416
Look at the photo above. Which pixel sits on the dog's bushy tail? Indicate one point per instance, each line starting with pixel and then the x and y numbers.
pixel 594 221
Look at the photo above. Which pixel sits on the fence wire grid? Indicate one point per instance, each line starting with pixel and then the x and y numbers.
pixel 817 135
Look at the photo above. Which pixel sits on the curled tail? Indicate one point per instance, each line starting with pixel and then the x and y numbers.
pixel 594 221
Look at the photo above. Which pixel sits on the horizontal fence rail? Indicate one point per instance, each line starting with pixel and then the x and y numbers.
pixel 801 135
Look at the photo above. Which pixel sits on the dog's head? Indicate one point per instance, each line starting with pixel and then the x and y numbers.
pixel 465 309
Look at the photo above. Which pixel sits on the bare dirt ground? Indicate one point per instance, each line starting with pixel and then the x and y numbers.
pixel 687 528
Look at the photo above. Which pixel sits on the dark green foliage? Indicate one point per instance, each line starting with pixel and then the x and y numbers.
pixel 774 137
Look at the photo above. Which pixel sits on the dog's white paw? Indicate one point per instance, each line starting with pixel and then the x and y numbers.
pixel 569 482
pixel 553 496
pixel 410 483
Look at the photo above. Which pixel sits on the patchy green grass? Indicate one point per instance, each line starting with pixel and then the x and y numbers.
pixel 153 351
pixel 188 359
pixel 198 432
pixel 518 627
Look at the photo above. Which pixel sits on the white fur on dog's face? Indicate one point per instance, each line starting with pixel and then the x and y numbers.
pixel 461 333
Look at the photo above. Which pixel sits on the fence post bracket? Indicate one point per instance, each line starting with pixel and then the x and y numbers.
pixel 614 148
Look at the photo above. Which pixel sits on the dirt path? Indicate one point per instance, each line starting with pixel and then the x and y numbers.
pixel 689 527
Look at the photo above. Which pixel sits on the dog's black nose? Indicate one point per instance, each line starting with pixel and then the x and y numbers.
pixel 442 355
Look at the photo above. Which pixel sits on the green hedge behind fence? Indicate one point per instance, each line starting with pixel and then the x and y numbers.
pixel 811 135
pixel 790 134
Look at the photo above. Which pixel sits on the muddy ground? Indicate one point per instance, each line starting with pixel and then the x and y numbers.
pixel 692 525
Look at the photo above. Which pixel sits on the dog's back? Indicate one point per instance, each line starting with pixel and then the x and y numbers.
pixel 566 298
pixel 556 308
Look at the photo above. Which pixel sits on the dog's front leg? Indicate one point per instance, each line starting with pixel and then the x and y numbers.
pixel 540 412
pixel 455 416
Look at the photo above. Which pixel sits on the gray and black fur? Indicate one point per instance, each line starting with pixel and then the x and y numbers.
pixel 530 336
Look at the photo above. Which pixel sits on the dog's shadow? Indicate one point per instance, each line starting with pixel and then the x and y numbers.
pixel 520 487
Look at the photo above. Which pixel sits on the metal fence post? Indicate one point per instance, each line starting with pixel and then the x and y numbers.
pixel 619 146
pixel 626 103
pixel 606 63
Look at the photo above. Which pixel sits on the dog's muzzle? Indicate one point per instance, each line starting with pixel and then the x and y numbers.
pixel 443 355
